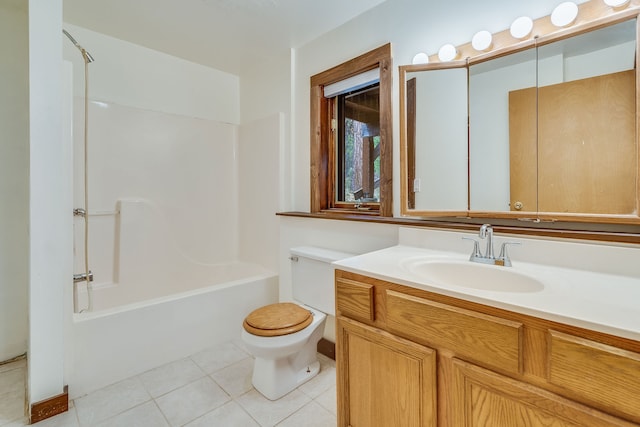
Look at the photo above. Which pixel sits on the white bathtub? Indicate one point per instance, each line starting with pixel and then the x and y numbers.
pixel 113 344
pixel 161 306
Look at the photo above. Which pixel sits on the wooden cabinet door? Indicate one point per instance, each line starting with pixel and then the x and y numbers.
pixel 484 398
pixel 383 380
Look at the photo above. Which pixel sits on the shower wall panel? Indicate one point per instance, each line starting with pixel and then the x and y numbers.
pixel 185 167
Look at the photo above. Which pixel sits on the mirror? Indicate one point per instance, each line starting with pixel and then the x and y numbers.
pixel 587 158
pixel 489 163
pixel 540 138
pixel 438 101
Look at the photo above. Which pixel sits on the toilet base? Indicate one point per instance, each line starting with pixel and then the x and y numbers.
pixel 275 378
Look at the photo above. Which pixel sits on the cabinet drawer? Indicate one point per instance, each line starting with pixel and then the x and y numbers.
pixel 485 339
pixel 354 299
pixel 607 377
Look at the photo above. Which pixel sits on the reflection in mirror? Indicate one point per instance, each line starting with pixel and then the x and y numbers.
pixel 490 84
pixel 437 130
pixel 552 128
pixel 587 143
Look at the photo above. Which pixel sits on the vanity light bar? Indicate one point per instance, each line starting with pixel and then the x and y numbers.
pixel 521 30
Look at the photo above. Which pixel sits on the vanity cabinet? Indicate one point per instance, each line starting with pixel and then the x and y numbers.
pixel 409 357
pixel 389 381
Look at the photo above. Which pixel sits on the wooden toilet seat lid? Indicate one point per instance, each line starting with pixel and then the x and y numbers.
pixel 277 319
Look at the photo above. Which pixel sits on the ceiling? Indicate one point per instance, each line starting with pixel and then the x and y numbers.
pixel 229 35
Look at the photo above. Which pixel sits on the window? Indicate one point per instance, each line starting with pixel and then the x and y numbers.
pixel 357 139
pixel 351 136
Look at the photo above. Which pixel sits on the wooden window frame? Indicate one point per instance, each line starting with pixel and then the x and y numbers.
pixel 322 148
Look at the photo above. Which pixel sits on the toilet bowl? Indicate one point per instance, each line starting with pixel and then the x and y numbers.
pixel 284 362
pixel 283 337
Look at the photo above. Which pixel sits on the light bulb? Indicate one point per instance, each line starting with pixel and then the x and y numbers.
pixel 420 58
pixel 482 40
pixel 616 3
pixel 447 53
pixel 564 14
pixel 521 27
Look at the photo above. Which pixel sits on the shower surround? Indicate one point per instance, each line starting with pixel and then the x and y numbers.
pixel 178 191
pixel 163 243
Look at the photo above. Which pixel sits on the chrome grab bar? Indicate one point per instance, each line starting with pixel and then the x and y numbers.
pixel 82 277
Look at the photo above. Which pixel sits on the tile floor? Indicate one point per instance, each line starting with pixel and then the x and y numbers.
pixel 210 388
pixel 12 392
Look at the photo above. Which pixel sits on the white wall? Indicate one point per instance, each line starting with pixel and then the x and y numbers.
pixel 263 155
pixel 50 229
pixel 133 75
pixel 261 143
pixel 266 88
pixel 14 177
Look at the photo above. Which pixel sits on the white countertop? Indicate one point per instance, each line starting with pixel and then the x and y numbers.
pixel 601 301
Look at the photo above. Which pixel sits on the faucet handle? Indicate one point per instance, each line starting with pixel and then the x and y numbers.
pixel 504 254
pixel 476 248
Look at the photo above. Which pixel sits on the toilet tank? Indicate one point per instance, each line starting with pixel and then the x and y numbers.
pixel 312 276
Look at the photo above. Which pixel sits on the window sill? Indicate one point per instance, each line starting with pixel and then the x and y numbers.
pixel 351 211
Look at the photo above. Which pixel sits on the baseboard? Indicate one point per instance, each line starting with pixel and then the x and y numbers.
pixel 327 348
pixel 48 408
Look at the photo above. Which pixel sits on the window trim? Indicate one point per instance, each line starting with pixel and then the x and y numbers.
pixel 322 167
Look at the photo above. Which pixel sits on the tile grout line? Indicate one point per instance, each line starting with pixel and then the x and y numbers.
pixel 160 410
pixel 204 374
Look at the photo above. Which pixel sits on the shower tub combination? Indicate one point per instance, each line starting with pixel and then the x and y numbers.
pixel 160 307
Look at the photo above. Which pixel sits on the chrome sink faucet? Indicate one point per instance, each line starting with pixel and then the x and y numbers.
pixel 486 232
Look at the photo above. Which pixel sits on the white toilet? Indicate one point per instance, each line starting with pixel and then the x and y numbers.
pixel 283 337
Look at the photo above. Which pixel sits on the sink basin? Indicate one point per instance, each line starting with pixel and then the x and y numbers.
pixel 469 274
